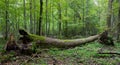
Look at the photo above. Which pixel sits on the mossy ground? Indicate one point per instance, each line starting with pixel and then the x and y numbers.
pixel 81 55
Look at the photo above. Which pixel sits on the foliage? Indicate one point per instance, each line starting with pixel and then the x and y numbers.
pixel 93 13
pixel 60 19
pixel 86 54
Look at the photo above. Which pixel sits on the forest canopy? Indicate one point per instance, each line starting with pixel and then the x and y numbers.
pixel 59 18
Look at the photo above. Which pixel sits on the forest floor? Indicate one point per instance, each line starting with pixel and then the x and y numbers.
pixel 81 55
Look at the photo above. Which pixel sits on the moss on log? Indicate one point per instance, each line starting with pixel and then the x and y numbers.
pixel 29 42
pixel 51 42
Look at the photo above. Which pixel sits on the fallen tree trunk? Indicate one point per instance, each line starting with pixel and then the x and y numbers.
pixel 50 42
pixel 26 42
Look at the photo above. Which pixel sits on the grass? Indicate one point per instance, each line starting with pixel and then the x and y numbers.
pixel 86 55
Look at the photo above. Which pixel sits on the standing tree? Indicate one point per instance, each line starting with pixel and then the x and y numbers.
pixel 66 21
pixel 52 18
pixel 46 17
pixel 24 6
pixel 40 18
pixel 109 13
pixel 31 23
pixel 118 25
pixel 6 17
pixel 83 15
pixel 60 18
pixel 34 26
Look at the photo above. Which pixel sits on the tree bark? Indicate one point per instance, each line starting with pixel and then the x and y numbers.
pixel 50 42
pixel 31 23
pixel 46 18
pixel 52 18
pixel 6 17
pixel 60 19
pixel 83 17
pixel 40 18
pixel 34 26
pixel 118 23
pixel 24 5
pixel 66 22
pixel 26 47
pixel 109 13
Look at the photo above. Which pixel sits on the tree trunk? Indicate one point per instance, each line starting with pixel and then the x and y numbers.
pixel 6 18
pixel 118 25
pixel 31 23
pixel 24 5
pixel 66 22
pixel 109 13
pixel 46 18
pixel 60 19
pixel 83 17
pixel 34 26
pixel 40 18
pixel 50 42
pixel 46 42
pixel 52 19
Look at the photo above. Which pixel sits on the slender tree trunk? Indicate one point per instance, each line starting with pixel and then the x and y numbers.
pixel 66 23
pixel 52 20
pixel 60 19
pixel 46 17
pixel 83 17
pixel 15 17
pixel 99 12
pixel 86 22
pixel 31 23
pixel 40 18
pixel 49 18
pixel 34 16
pixel 74 20
pixel 24 6
pixel 118 25
pixel 48 25
pixel 87 29
pixel 6 17
pixel 109 13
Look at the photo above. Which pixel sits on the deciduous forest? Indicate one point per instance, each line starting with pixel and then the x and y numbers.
pixel 59 32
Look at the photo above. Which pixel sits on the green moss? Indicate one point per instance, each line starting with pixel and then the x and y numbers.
pixel 36 37
pixel 68 40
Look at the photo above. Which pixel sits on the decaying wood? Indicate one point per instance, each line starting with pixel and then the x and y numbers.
pixel 11 44
pixel 51 42
pixel 45 42
pixel 105 39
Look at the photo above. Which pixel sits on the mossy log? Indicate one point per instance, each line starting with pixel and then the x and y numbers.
pixel 51 42
pixel 27 43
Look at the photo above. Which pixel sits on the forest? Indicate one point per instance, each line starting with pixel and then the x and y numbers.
pixel 59 32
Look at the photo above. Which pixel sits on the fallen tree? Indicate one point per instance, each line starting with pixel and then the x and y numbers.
pixel 28 39
pixel 51 42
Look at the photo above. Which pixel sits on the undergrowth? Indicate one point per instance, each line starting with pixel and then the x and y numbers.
pixel 86 54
